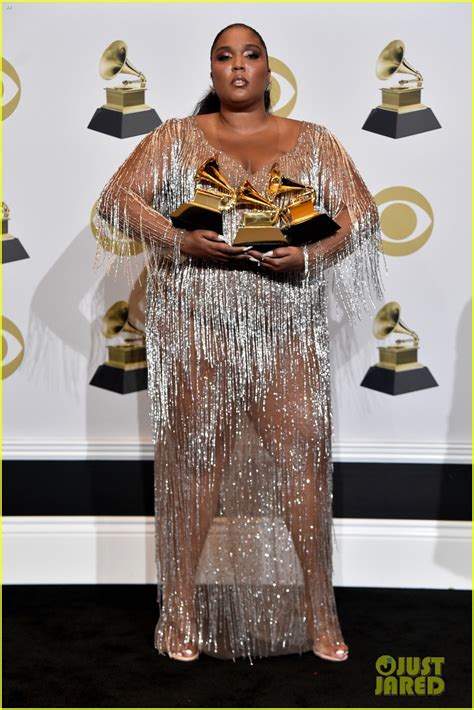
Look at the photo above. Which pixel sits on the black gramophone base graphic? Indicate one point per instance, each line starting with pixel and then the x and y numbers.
pixel 121 381
pixel 400 125
pixel 13 250
pixel 398 370
pixel 124 125
pixel 392 382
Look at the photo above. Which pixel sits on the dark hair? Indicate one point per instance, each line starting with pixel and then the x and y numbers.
pixel 210 103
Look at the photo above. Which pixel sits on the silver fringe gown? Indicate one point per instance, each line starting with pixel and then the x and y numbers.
pixel 239 383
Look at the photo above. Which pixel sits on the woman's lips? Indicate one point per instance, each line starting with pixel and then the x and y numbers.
pixel 239 81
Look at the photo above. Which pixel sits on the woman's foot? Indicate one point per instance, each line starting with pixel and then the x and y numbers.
pixel 177 648
pixel 336 651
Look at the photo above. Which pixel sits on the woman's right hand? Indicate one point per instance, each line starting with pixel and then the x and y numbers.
pixel 209 245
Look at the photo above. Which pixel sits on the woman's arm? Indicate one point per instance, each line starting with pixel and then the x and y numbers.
pixel 355 249
pixel 125 207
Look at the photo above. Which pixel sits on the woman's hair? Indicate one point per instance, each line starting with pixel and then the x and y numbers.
pixel 210 103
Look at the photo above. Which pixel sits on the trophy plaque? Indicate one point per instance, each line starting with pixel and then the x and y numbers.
pixel 259 224
pixel 126 369
pixel 302 223
pixel 125 112
pixel 206 209
pixel 398 370
pixel 401 112
pixel 12 248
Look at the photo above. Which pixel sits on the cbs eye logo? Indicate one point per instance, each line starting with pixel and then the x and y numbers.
pixel 11 89
pixel 12 342
pixel 407 211
pixel 287 87
pixel 122 246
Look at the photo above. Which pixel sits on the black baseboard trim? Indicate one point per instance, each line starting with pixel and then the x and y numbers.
pixel 361 490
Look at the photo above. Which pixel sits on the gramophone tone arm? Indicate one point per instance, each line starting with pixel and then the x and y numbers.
pixel 141 81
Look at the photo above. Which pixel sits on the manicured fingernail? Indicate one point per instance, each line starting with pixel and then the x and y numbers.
pixel 221 237
pixel 269 253
pixel 251 258
pixel 247 248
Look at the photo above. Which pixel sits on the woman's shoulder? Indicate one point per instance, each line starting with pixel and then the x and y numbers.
pixel 172 128
pixel 317 129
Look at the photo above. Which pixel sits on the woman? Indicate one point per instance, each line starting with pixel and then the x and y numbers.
pixel 238 363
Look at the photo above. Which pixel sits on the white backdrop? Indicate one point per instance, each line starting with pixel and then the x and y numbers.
pixel 54 169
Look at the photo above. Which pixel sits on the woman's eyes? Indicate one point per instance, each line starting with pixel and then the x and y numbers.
pixel 251 55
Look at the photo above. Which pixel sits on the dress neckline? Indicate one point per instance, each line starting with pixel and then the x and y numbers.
pixel 237 161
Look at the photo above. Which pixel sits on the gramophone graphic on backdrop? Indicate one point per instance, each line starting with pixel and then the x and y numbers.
pixel 12 248
pixel 401 112
pixel 398 370
pixel 126 368
pixel 125 112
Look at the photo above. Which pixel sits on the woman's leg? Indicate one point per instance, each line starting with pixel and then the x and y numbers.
pixel 293 422
pixel 188 475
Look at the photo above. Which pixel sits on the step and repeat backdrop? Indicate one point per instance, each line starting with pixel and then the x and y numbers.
pixel 390 80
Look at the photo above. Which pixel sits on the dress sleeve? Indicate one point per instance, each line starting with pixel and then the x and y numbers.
pixel 354 251
pixel 126 218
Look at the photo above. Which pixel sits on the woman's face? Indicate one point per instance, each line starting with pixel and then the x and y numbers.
pixel 239 68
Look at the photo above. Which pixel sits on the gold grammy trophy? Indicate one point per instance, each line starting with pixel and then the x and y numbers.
pixel 12 248
pixel 259 224
pixel 126 369
pixel 401 112
pixel 125 112
pixel 398 370
pixel 206 209
pixel 302 223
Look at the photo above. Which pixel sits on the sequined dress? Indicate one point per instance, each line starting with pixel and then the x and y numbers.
pixel 239 386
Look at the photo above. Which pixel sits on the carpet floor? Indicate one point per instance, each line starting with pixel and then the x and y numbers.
pixel 92 647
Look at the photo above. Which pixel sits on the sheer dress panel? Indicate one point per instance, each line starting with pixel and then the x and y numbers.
pixel 239 386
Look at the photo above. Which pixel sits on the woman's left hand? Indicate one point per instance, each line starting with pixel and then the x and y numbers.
pixel 280 259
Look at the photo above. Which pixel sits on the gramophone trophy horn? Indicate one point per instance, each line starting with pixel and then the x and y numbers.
pixel 12 248
pixel 302 223
pixel 391 60
pixel 401 112
pixel 114 61
pixel 398 370
pixel 116 321
pixel 208 205
pixel 126 368
pixel 259 223
pixel 125 112
pixel 388 321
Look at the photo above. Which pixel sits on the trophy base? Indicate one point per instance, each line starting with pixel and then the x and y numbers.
pixel 115 379
pixel 124 125
pixel 311 230
pixel 391 382
pixel 400 125
pixel 190 216
pixel 13 250
pixel 262 238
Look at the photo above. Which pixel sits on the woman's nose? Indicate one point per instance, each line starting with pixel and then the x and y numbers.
pixel 237 64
